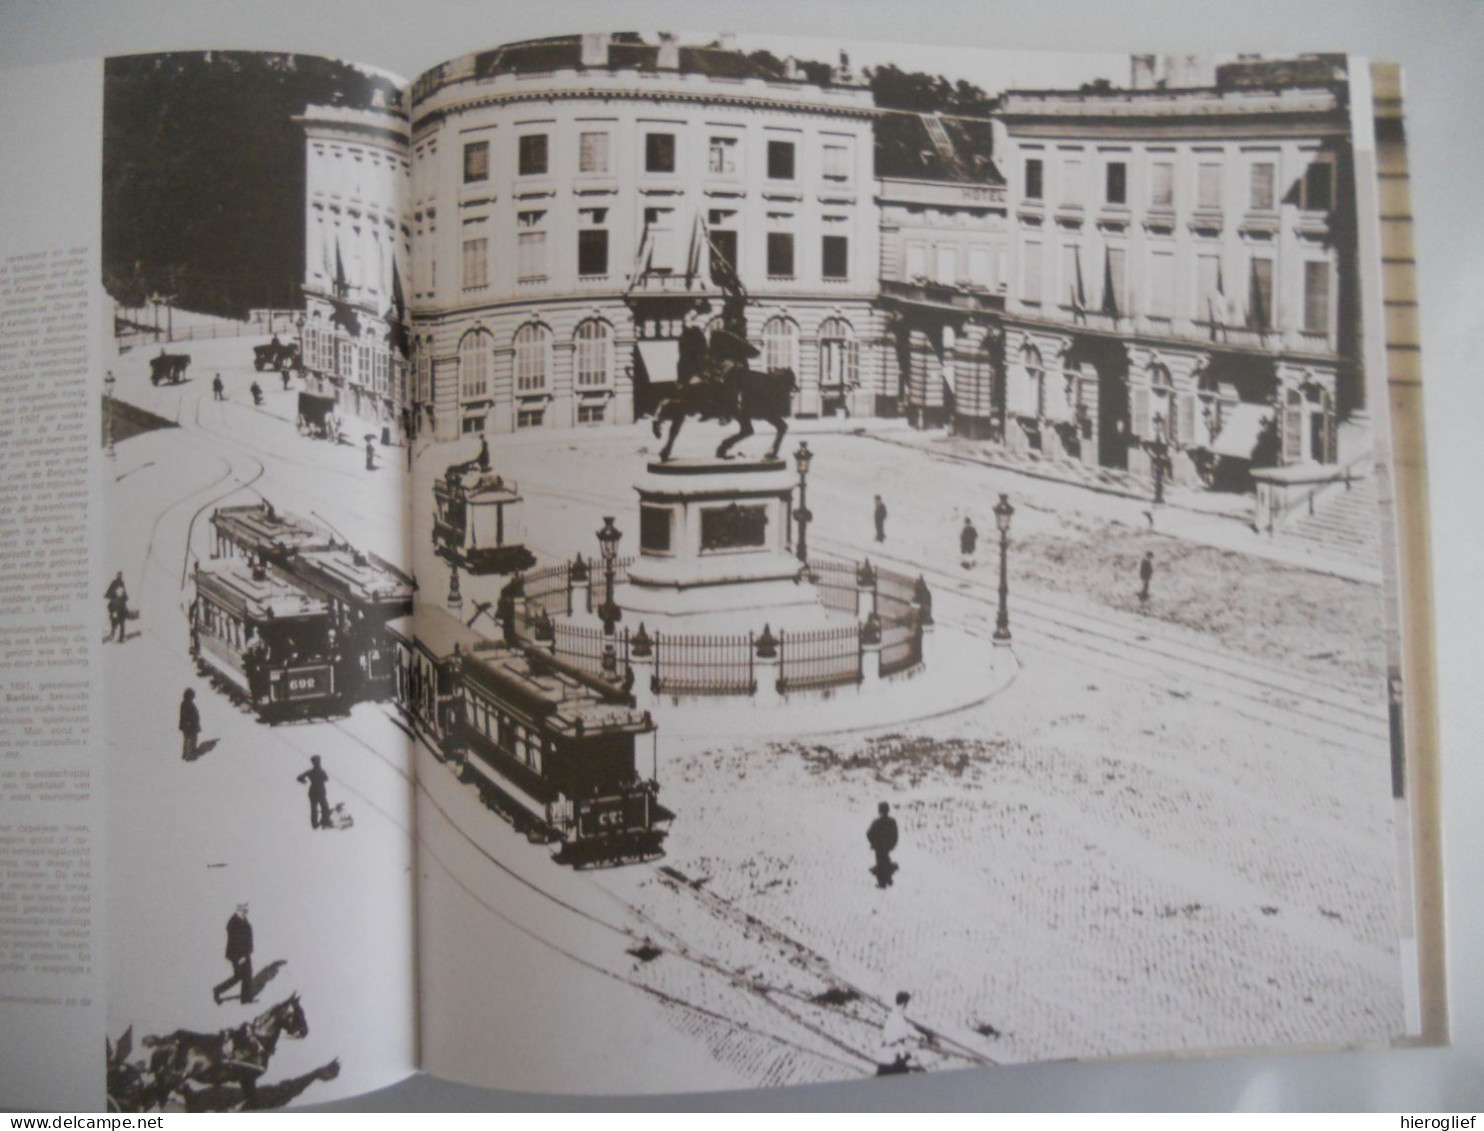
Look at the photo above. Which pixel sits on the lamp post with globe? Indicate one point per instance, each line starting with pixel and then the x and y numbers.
pixel 802 458
pixel 1003 512
pixel 608 543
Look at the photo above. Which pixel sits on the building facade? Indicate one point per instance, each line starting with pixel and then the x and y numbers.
pixel 353 332
pixel 571 197
pixel 1183 298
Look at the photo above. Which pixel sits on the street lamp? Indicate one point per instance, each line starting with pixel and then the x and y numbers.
pixel 108 386
pixel 608 543
pixel 1003 512
pixel 1159 450
pixel 802 457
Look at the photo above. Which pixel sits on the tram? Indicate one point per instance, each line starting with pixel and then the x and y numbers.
pixel 554 750
pixel 259 531
pixel 264 641
pixel 477 519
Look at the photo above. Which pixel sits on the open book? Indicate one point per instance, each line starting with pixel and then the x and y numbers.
pixel 647 562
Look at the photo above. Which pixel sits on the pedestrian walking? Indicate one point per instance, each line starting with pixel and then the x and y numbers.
pixel 319 801
pixel 190 725
pixel 897 1053
pixel 284 373
pixel 218 390
pixel 880 520
pixel 239 954
pixel 882 837
pixel 117 597
pixel 1146 574
pixel 257 393
pixel 968 542
pixel 370 454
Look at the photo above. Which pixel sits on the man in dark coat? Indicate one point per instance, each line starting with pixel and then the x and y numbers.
pixel 882 837
pixel 118 607
pixel 319 801
pixel 1146 573
pixel 693 357
pixel 190 725
pixel 239 954
pixel 968 542
pixel 217 388
pixel 880 516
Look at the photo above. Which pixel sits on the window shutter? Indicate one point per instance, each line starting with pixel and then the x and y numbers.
pixel 1185 424
pixel 1138 423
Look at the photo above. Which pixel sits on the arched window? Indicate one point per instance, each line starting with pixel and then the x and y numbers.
pixel 476 353
pixel 1162 425
pixel 594 354
pixel 532 348
pixel 780 344
pixel 839 355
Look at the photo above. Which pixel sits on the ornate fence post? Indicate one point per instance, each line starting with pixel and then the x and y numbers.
pixel 641 667
pixel 767 667
pixel 870 650
pixel 865 591
pixel 579 588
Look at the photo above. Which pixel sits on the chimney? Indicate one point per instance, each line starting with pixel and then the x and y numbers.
pixel 595 48
pixel 669 57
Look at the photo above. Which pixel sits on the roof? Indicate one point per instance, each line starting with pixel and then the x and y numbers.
pixel 351 575
pixel 935 147
pixel 259 527
pixel 256 595
pixel 437 632
pixel 629 51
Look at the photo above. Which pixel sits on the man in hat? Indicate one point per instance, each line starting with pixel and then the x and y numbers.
pixel 880 515
pixel 882 837
pixel 694 356
pixel 117 597
pixel 190 725
pixel 1146 574
pixel 239 954
pixel 968 541
pixel 319 801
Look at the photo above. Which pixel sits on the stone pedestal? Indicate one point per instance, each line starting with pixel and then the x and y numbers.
pixel 714 537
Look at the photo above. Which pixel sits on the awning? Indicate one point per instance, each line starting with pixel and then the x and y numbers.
pixel 1241 425
pixel 660 357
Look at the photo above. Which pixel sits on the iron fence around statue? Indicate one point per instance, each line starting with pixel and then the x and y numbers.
pixel 548 590
pixel 820 658
pixel 895 596
pixel 583 648
pixel 901 643
pixel 836 584
pixel 704 665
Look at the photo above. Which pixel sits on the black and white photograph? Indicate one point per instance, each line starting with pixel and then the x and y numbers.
pixel 774 561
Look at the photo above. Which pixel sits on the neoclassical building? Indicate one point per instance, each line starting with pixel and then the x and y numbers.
pixel 357 246
pixel 1184 288
pixel 571 198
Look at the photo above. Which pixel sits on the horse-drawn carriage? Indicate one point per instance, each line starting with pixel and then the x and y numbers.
pixel 168 367
pixel 275 355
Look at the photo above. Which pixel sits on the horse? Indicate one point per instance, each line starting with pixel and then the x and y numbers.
pixel 744 397
pixel 230 1057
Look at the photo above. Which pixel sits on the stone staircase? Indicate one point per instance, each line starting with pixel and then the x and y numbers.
pixel 1344 523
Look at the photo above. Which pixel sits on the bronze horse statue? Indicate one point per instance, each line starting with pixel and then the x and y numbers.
pixel 742 396
pixel 228 1062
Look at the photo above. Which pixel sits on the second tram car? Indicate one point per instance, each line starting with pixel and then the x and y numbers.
pixel 265 641
pixel 545 745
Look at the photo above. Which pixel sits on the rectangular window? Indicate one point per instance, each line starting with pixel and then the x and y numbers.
pixel 659 153
pixel 1030 289
pixel 1316 297
pixel 476 263
pixel 1116 276
pixel 1263 178
pixel 1208 185
pixel 1162 284
pixel 1071 182
pixel 592 252
pixel 835 257
pixel 1073 286
pixel 1117 183
pixel 781 255
pixel 592 152
pixel 1033 186
pixel 530 247
pixel 946 273
pixel 1319 186
pixel 979 267
pixel 780 160
pixel 476 162
pixel 723 246
pixel 721 157
pixel 1162 184
pixel 1210 301
pixel 916 262
pixel 532 158
pixel 660 224
pixel 1260 295
pixel 530 418
pixel 591 413
pixel 837 163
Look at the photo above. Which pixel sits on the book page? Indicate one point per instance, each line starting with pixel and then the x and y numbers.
pixel 913 585
pixel 235 240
